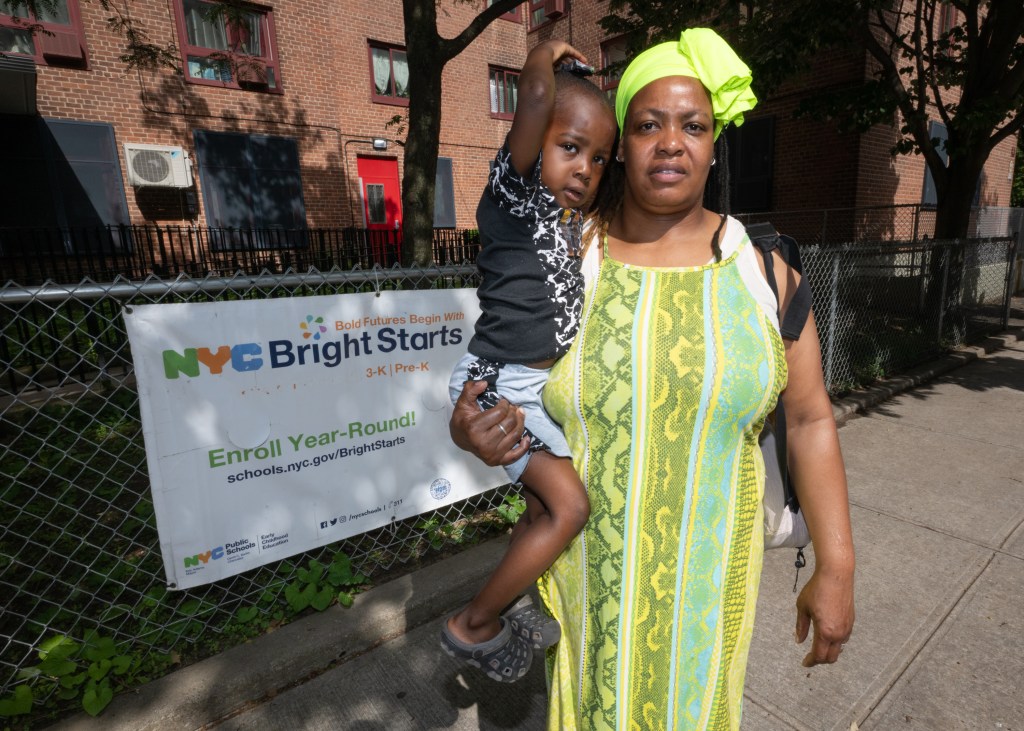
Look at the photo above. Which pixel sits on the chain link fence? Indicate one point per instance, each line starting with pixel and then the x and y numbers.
pixel 881 308
pixel 78 545
pixel 79 550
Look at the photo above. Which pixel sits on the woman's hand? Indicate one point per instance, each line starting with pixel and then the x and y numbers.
pixel 494 435
pixel 827 603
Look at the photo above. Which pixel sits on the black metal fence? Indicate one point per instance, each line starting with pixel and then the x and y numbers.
pixel 104 253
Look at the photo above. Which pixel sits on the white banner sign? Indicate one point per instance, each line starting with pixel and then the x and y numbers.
pixel 275 426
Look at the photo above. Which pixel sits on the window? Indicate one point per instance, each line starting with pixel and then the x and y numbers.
pixel 250 181
pixel 504 88
pixel 444 194
pixel 946 39
pixel 62 174
pixel 389 70
pixel 50 36
pixel 613 51
pixel 512 14
pixel 947 19
pixel 936 130
pixel 751 164
pixel 376 210
pixel 227 46
pixel 544 11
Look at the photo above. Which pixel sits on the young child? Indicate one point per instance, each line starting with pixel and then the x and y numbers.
pixel 531 297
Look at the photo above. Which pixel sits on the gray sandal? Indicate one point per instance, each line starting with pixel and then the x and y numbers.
pixel 505 657
pixel 531 623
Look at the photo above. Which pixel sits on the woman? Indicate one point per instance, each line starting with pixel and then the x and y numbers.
pixel 662 397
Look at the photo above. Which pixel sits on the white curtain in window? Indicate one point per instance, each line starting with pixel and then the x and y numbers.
pixel 251 35
pixel 494 92
pixel 512 93
pixel 16 41
pixel 401 66
pixel 201 31
pixel 382 71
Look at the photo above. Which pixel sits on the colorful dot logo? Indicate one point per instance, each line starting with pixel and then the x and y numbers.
pixel 312 327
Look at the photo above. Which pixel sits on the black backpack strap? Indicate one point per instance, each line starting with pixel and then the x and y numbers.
pixel 767 239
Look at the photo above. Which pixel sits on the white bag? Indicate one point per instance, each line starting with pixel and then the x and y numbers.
pixel 782 527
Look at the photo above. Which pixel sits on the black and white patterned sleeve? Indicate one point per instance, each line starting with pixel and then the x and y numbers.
pixel 510 190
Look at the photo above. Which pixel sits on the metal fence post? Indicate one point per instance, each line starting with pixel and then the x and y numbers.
pixel 833 322
pixel 942 293
pixel 1011 261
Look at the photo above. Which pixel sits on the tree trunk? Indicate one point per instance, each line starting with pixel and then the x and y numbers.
pixel 421 145
pixel 421 148
pixel 954 201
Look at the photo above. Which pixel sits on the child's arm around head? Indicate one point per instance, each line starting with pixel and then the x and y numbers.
pixel 536 102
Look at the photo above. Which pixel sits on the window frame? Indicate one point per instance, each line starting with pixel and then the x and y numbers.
pixel 549 7
pixel 506 72
pixel 610 85
pixel 375 97
pixel 929 191
pixel 513 15
pixel 211 174
pixel 444 193
pixel 73 29
pixel 64 183
pixel 269 60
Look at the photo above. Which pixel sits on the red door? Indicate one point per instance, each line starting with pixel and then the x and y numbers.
pixel 382 207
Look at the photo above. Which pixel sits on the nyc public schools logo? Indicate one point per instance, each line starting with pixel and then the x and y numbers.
pixel 232 550
pixel 312 328
pixel 440 488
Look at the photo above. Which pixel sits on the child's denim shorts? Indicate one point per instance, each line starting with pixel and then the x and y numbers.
pixel 522 386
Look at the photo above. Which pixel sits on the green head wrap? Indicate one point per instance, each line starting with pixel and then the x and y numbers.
pixel 703 55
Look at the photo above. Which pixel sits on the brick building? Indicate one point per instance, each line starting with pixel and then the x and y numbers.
pixel 282 120
pixel 294 132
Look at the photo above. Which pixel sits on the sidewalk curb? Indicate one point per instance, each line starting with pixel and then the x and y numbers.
pixel 860 400
pixel 209 691
pixel 225 684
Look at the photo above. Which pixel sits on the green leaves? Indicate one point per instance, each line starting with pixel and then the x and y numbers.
pixel 96 697
pixel 17 703
pixel 511 508
pixel 55 654
pixel 317 585
pixel 74 670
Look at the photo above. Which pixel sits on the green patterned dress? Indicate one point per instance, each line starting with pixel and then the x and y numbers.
pixel 662 397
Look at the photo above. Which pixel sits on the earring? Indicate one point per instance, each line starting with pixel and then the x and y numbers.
pixel 620 159
pixel 714 160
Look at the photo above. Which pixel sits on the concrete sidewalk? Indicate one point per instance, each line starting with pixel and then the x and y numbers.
pixel 937 501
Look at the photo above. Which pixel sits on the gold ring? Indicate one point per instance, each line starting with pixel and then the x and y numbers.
pixel 502 429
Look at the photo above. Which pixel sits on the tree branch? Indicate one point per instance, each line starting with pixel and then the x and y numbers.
pixel 926 77
pixel 914 118
pixel 452 47
pixel 1011 128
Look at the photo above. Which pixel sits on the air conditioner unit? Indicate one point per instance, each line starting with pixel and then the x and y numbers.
pixel 162 166
pixel 554 9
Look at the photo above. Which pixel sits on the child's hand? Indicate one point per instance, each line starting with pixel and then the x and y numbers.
pixel 560 52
